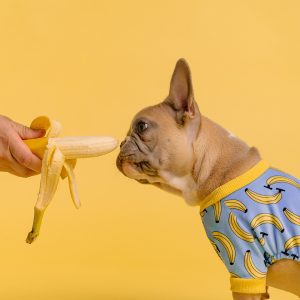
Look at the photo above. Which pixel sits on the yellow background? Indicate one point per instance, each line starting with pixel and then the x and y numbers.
pixel 92 65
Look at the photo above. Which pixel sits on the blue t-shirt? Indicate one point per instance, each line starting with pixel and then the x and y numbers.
pixel 252 221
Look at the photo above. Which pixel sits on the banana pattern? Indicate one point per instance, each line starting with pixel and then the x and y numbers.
pixel 236 204
pixel 233 275
pixel 292 242
pixel 291 216
pixel 281 179
pixel 217 210
pixel 59 156
pixel 203 212
pixel 227 244
pixel 250 266
pixel 216 248
pixel 255 224
pixel 264 199
pixel 267 219
pixel 238 230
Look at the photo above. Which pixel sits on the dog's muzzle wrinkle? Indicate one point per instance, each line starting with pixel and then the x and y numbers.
pixel 128 147
pixel 148 169
pixel 133 152
pixel 128 153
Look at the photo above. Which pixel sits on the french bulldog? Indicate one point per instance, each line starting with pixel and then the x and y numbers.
pixel 173 146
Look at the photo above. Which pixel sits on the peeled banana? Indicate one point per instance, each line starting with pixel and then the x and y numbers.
pixel 59 157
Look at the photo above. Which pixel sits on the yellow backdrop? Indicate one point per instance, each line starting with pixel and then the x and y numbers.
pixel 92 65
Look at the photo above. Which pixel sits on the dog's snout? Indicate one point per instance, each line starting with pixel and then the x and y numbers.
pixel 124 141
pixel 119 163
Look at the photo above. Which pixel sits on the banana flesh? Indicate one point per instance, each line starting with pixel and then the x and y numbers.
pixel 59 156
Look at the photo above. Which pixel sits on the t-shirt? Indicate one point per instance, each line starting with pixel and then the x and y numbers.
pixel 252 221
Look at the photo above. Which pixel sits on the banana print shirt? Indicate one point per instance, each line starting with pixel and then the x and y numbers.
pixel 252 221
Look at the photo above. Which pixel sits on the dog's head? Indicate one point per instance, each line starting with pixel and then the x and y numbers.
pixel 158 147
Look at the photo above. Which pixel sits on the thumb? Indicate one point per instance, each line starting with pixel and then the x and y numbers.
pixel 28 133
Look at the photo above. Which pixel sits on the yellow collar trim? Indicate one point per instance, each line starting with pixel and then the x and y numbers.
pixel 234 184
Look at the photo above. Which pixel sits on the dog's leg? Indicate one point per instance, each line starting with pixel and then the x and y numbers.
pixel 285 275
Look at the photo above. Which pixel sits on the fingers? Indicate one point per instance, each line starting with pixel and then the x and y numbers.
pixel 20 171
pixel 12 166
pixel 15 156
pixel 26 132
pixel 22 154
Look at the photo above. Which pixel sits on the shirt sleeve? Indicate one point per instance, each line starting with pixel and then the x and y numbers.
pixel 240 251
pixel 249 274
pixel 248 286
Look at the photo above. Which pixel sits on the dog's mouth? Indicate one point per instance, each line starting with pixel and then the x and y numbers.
pixel 140 171
pixel 143 181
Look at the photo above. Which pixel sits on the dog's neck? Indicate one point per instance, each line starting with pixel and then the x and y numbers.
pixel 219 157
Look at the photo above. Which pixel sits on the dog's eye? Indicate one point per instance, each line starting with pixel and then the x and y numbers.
pixel 141 126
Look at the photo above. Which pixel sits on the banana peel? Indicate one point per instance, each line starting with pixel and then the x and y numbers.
pixel 59 156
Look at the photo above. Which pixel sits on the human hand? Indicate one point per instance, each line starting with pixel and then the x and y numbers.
pixel 15 157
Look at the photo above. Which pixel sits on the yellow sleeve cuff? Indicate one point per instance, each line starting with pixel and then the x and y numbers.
pixel 248 286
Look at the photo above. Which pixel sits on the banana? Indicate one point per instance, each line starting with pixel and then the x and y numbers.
pixel 236 204
pixel 264 199
pixel 227 244
pixel 292 242
pixel 282 179
pixel 217 211
pixel 238 231
pixel 251 268
pixel 262 240
pixel 291 216
pixel 59 156
pixel 266 218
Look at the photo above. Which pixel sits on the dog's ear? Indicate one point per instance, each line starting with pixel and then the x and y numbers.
pixel 181 97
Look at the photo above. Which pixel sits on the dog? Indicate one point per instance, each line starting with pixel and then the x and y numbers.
pixel 249 209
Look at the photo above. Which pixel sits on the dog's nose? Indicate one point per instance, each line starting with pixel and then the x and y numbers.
pixel 124 141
